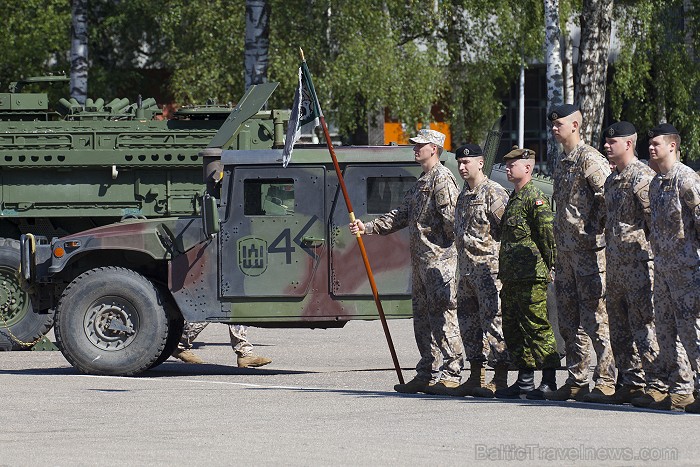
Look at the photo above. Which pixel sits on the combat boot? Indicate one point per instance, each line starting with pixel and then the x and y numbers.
pixel 412 387
pixel 597 392
pixel 547 386
pixel 252 361
pixel 499 382
pixel 444 388
pixel 650 396
pixel 673 402
pixel 568 391
pixel 477 375
pixel 695 406
pixel 623 395
pixel 524 384
pixel 187 356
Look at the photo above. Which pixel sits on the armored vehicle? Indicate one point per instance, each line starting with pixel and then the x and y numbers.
pixel 270 248
pixel 67 168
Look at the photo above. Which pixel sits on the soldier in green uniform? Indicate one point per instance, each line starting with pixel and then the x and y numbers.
pixel 526 259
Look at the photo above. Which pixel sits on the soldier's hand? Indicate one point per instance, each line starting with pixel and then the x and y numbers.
pixel 357 227
pixel 551 275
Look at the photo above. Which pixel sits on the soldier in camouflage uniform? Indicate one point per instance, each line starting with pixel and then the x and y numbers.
pixel 526 257
pixel 480 206
pixel 579 175
pixel 630 269
pixel 239 342
pixel 428 212
pixel 674 196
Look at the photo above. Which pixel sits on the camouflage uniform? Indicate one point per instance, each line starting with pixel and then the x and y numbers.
pixel 527 254
pixel 428 212
pixel 675 239
pixel 580 269
pixel 477 223
pixel 237 332
pixel 630 276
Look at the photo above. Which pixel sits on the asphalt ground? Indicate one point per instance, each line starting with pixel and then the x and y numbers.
pixel 327 399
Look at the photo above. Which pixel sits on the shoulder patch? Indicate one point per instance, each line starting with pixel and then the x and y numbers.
pixel 539 202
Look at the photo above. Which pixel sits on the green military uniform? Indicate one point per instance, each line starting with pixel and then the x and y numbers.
pixel 526 256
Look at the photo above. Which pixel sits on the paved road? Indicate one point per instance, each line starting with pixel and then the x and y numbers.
pixel 326 399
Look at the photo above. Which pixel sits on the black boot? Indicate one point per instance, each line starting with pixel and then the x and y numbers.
pixel 524 384
pixel 547 386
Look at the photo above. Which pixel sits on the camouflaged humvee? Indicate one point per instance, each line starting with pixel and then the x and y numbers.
pixel 271 248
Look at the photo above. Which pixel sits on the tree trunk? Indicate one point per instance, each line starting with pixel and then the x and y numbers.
pixel 568 66
pixel 593 66
pixel 555 82
pixel 79 51
pixel 257 41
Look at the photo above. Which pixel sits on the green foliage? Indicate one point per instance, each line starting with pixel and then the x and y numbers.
pixel 656 77
pixel 35 38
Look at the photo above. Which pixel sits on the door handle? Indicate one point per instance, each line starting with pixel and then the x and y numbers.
pixel 313 242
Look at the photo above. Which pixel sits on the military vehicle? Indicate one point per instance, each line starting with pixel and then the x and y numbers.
pixel 68 168
pixel 270 248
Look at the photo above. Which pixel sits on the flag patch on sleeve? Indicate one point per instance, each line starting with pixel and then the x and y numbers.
pixel 539 202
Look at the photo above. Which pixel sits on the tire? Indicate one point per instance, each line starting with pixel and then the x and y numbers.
pixel 177 324
pixel 111 321
pixel 18 317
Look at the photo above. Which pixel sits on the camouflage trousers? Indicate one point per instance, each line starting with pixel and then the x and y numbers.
pixel 237 332
pixel 677 305
pixel 528 335
pixel 583 321
pixel 435 325
pixel 479 317
pixel 629 302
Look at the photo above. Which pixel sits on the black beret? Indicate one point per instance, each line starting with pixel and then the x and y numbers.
pixel 663 129
pixel 518 153
pixel 561 111
pixel 469 150
pixel 619 129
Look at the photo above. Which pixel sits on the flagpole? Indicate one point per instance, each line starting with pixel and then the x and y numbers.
pixel 361 244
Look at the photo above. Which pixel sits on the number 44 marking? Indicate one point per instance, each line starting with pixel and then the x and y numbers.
pixel 283 242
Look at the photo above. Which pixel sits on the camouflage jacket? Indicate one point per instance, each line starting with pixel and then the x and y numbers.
pixel 628 213
pixel 527 240
pixel 477 225
pixel 428 211
pixel 578 196
pixel 675 218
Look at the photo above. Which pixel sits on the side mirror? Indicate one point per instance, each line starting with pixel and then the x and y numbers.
pixel 210 216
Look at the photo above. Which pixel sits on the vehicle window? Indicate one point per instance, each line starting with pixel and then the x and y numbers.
pixel 268 197
pixel 386 193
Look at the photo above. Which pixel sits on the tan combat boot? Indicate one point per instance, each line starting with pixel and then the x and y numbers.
pixel 187 356
pixel 624 395
pixel 444 388
pixel 568 391
pixel 252 361
pixel 598 392
pixel 673 402
pixel 477 375
pixel 499 381
pixel 412 387
pixel 652 395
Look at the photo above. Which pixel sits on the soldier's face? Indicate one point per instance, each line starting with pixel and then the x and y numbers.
pixel 424 151
pixel 615 147
pixel 562 128
pixel 516 169
pixel 660 148
pixel 469 166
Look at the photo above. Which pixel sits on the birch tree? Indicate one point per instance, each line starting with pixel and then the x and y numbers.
pixel 555 91
pixel 593 66
pixel 79 51
pixel 257 41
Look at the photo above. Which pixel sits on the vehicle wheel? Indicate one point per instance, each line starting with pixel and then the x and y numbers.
pixel 111 321
pixel 17 316
pixel 177 324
